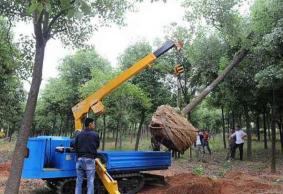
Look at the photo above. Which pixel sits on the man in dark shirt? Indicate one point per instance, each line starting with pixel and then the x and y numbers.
pixel 86 145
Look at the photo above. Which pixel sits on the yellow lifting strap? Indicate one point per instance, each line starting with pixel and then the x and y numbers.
pixel 109 183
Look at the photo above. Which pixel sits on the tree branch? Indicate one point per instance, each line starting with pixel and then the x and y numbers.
pixel 56 32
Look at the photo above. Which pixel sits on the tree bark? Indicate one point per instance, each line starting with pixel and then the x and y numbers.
pixel 273 131
pixel 104 132
pixel 268 121
pixel 281 138
pixel 139 130
pixel 257 128
pixel 117 130
pixel 205 92
pixel 223 125
pixel 248 126
pixel 13 182
pixel 264 129
pixel 7 134
pixel 233 120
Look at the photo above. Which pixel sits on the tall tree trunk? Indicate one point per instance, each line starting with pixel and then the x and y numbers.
pixel 233 120
pixel 135 129
pixel 7 134
pixel 248 126
pixel 53 124
pixel 281 138
pixel 205 92
pixel 273 128
pixel 104 132
pixel 60 128
pixel 13 183
pixel 67 125
pixel 268 119
pixel 223 125
pixel 132 131
pixel 121 137
pixel 257 128
pixel 264 129
pixel 280 134
pixel 240 118
pixel 228 119
pixel 140 129
pixel 117 129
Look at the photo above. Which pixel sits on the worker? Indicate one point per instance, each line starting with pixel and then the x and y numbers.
pixel 239 134
pixel 206 138
pixel 199 145
pixel 155 144
pixel 231 144
pixel 86 145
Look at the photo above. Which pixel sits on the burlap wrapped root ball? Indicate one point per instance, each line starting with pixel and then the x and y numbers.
pixel 172 129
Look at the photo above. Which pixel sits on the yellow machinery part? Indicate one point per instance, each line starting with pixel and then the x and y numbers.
pixel 94 101
pixel 109 183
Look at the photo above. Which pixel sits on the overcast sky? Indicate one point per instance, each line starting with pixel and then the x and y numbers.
pixel 147 23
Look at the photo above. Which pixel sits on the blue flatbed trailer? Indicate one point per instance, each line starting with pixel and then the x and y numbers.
pixel 52 159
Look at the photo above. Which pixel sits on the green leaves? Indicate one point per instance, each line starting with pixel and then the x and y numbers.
pixel 32 7
pixel 78 14
pixel 85 8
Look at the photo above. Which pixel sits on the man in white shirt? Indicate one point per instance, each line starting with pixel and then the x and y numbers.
pixel 199 145
pixel 239 134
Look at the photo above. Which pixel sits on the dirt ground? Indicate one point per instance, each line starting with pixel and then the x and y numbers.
pixel 187 176
pixel 182 181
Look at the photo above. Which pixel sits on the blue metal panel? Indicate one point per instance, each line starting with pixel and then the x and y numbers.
pixel 44 162
pixel 136 160
pixel 34 164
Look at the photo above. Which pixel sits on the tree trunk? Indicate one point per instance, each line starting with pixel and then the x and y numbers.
pixel 117 129
pixel 53 124
pixel 268 119
pixel 7 134
pixel 67 125
pixel 257 128
pixel 13 182
pixel 240 118
pixel 280 134
pixel 233 120
pixel 121 137
pixel 104 132
pixel 205 92
pixel 281 138
pixel 228 120
pixel 223 125
pixel 132 131
pixel 273 128
pixel 248 126
pixel 264 129
pixel 139 130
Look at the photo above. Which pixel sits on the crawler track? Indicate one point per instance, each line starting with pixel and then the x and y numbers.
pixel 129 183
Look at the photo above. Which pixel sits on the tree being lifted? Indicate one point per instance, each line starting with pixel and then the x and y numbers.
pixel 171 130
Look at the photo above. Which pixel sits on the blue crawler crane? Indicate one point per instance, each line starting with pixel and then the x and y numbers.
pixel 54 160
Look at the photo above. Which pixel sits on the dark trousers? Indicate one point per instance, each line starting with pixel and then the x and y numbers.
pixel 241 146
pixel 206 144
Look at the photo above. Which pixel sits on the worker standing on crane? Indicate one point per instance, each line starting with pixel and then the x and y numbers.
pixel 86 145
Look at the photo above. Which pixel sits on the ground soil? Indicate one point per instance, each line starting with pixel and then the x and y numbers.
pixel 213 175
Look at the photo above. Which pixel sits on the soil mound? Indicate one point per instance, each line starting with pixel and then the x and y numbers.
pixel 172 129
pixel 192 184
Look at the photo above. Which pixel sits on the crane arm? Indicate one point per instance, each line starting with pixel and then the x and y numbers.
pixel 94 100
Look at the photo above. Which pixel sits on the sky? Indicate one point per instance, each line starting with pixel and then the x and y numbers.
pixel 147 23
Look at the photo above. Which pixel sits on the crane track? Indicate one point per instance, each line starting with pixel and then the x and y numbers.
pixel 129 183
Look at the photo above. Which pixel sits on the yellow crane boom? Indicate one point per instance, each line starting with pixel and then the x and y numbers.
pixel 94 100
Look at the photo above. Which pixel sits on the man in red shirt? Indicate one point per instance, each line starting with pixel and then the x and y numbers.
pixel 206 138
